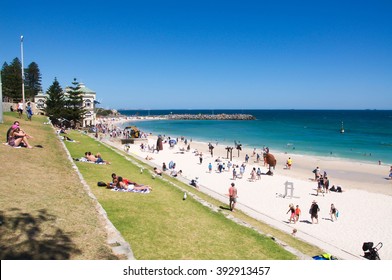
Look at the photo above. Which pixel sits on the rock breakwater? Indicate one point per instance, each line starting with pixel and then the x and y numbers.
pixel 222 117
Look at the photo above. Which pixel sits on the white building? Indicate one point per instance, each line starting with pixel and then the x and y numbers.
pixel 89 100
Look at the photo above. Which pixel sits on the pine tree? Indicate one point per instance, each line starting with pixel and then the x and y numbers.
pixel 12 80
pixel 32 80
pixel 55 102
pixel 74 103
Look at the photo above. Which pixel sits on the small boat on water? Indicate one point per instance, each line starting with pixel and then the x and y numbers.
pixel 342 129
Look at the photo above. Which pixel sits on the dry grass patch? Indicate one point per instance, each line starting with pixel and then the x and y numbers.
pixel 45 212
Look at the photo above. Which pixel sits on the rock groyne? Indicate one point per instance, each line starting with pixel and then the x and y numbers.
pixel 240 117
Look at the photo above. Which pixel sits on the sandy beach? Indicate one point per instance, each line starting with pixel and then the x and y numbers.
pixel 365 205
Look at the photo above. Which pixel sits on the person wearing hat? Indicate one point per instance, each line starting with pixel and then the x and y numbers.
pixel 17 138
pixel 314 209
pixel 232 197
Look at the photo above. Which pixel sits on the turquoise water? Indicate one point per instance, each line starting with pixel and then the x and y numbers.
pixel 367 137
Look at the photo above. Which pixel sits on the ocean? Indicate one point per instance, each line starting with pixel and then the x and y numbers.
pixel 367 134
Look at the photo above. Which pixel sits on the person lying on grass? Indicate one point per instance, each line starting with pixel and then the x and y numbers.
pixel 96 159
pixel 114 182
pixel 123 186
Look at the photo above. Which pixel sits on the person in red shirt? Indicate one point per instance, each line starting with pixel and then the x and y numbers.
pixel 232 196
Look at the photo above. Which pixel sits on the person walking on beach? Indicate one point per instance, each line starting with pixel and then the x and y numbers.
pixel 390 173
pixel 234 173
pixel 232 197
pixel 297 213
pixel 292 213
pixel 333 213
pixel 253 175
pixel 201 158
pixel 326 185
pixel 242 170
pixel 314 209
pixel 229 164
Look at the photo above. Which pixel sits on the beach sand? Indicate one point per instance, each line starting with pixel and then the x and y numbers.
pixel 365 206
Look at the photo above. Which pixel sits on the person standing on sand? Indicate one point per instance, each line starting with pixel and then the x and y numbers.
pixel 201 158
pixel 232 197
pixel 317 174
pixel 314 209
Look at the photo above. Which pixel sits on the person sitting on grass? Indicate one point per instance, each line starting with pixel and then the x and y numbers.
pixel 129 187
pixel 16 124
pixel 158 171
pixel 18 138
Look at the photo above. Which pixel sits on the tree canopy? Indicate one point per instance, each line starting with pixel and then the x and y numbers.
pixel 55 102
pixel 11 75
pixel 74 104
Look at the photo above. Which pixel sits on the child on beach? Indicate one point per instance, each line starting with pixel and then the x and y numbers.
pixel 297 213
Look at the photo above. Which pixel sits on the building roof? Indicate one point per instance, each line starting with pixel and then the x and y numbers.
pixel 85 89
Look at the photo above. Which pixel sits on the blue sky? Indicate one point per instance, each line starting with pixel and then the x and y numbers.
pixel 209 54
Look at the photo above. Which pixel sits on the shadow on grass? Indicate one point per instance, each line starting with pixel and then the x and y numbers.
pixel 225 208
pixel 26 236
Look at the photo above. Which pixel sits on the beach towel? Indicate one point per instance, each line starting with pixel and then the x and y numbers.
pixel 131 190
pixel 83 159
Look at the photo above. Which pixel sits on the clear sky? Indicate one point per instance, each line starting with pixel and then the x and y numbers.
pixel 295 54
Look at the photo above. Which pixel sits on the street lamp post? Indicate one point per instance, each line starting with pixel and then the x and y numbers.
pixel 1 101
pixel 23 78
